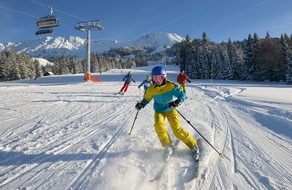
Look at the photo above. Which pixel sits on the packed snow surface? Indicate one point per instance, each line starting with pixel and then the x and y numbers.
pixel 59 132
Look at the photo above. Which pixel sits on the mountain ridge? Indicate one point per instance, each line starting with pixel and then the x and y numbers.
pixel 47 47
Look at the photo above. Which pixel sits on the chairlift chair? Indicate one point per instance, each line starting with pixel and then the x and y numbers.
pixel 48 21
pixel 45 31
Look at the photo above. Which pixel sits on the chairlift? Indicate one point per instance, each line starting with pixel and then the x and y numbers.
pixel 48 21
pixel 45 31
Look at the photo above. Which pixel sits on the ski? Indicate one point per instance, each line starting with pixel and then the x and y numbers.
pixel 197 162
pixel 164 166
pixel 120 93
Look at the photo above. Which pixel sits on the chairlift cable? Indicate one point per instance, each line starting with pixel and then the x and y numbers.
pixel 27 14
pixel 50 6
pixel 19 12
pixel 51 11
pixel 39 3
pixel 58 10
pixel 69 14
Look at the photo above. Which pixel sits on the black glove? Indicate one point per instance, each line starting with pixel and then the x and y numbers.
pixel 139 106
pixel 174 104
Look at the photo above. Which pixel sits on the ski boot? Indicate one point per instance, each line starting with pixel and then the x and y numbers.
pixel 196 153
pixel 169 151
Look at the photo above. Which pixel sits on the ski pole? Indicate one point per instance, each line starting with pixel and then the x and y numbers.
pixel 133 123
pixel 220 154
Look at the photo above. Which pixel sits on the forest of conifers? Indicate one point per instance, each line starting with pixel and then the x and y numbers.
pixel 254 59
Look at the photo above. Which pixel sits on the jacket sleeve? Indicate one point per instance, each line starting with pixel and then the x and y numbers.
pixel 177 92
pixel 132 79
pixel 141 84
pixel 144 101
pixel 147 98
pixel 188 79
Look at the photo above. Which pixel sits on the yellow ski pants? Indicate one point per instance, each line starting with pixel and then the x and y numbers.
pixel 178 131
pixel 183 87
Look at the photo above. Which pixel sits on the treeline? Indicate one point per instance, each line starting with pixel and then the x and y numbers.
pixel 255 59
pixel 15 66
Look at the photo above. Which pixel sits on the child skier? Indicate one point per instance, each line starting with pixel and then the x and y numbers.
pixel 163 92
pixel 128 79
pixel 146 83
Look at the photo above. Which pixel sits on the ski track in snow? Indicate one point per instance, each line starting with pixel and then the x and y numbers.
pixel 240 141
pixel 75 136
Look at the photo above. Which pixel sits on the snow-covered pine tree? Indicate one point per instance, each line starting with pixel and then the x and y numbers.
pixel 204 58
pixel 250 50
pixel 29 65
pixel 4 66
pixel 185 45
pixel 227 71
pixel 76 65
pixel 216 63
pixel 38 69
pixel 93 63
pixel 61 66
pixel 256 48
pixel 235 59
pixel 191 69
pixel 288 57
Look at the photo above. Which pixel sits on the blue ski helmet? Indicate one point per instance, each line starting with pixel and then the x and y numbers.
pixel 158 75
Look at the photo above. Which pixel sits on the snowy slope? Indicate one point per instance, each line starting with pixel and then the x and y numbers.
pixel 59 132
pixel 42 61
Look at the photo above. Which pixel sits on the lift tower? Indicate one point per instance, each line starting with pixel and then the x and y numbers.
pixel 87 26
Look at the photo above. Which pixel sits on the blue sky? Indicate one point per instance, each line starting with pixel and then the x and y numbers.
pixel 128 19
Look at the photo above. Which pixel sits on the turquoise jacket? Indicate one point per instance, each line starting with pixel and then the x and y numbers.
pixel 163 95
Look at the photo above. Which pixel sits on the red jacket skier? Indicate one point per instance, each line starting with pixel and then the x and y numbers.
pixel 182 79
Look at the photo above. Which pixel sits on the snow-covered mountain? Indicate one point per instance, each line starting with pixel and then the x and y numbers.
pixel 73 45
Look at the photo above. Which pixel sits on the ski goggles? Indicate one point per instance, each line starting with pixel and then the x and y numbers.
pixel 158 79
